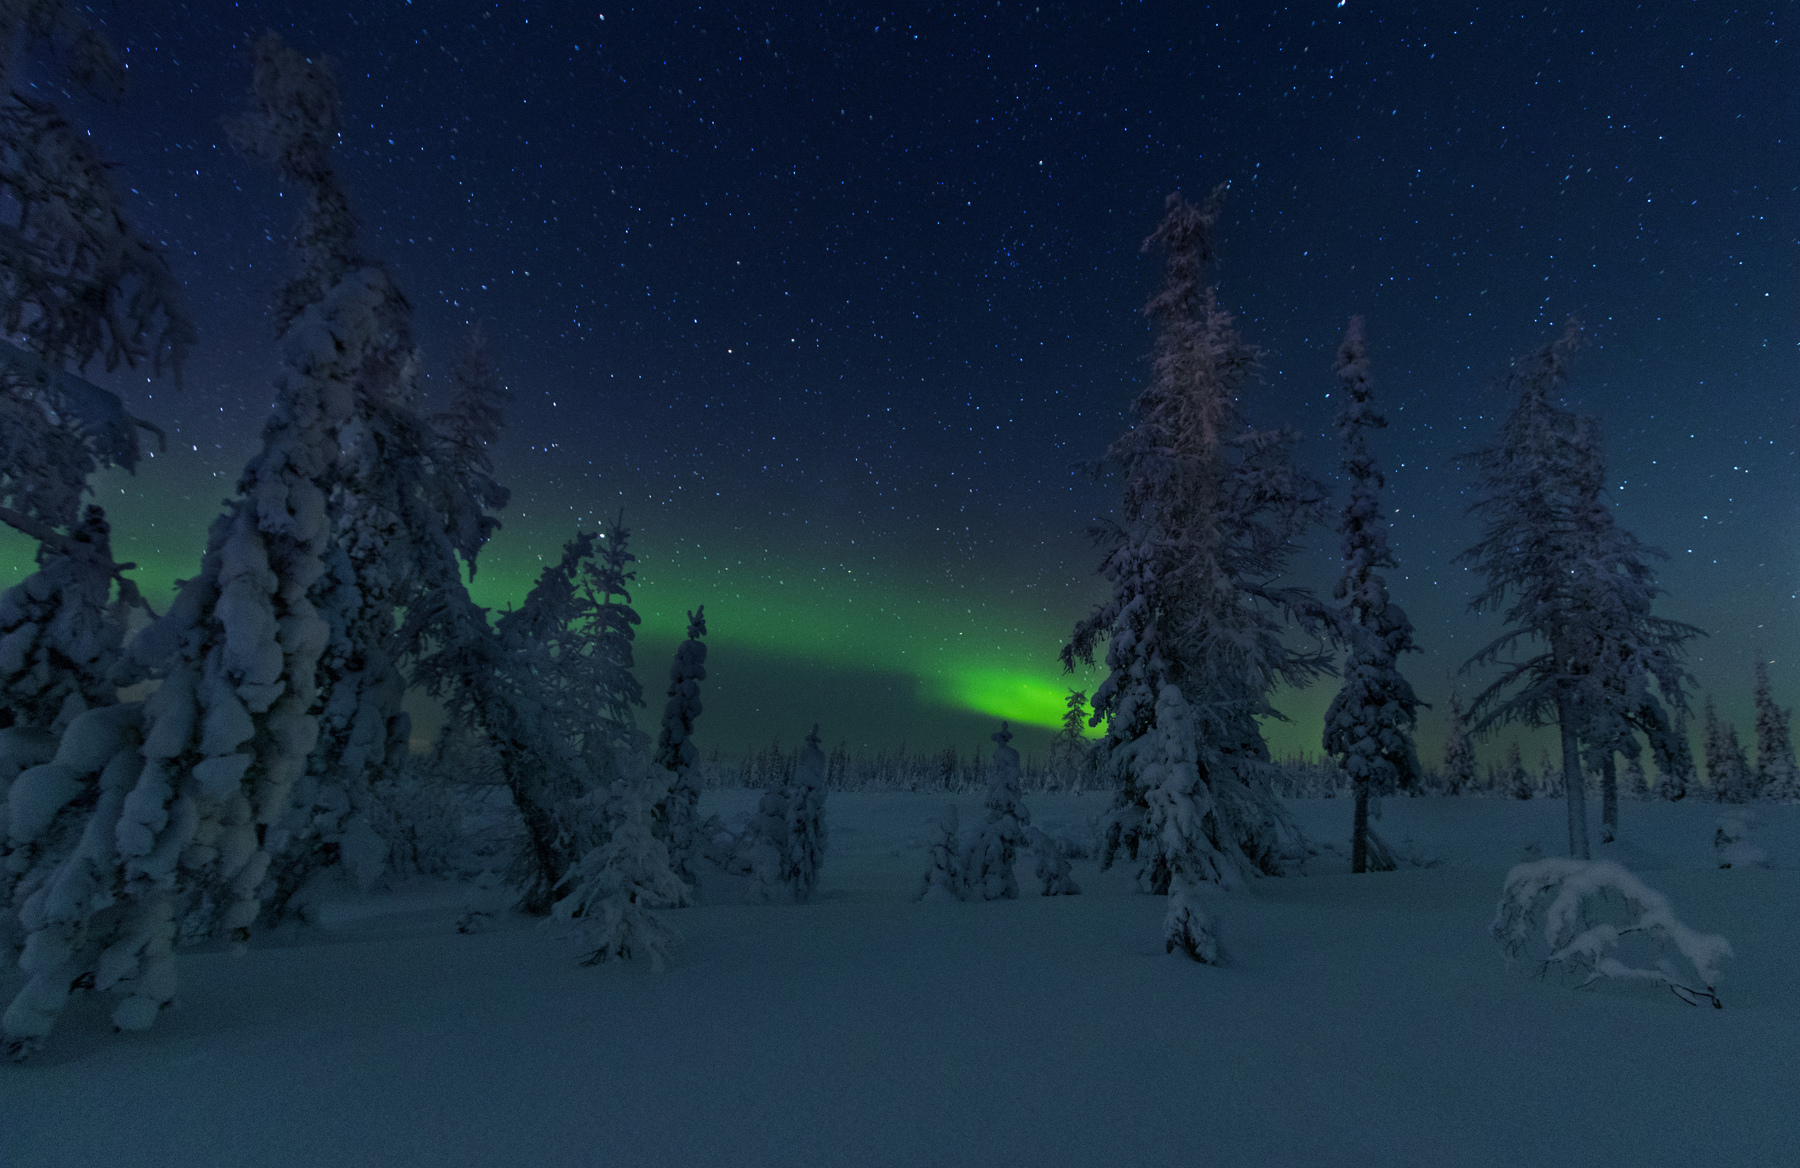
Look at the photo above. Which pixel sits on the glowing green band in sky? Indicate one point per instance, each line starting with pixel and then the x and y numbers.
pixel 963 647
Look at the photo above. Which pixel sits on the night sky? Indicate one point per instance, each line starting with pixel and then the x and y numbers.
pixel 830 302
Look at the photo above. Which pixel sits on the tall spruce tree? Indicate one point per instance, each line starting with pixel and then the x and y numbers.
pixel 1776 775
pixel 1369 725
pixel 1208 507
pixel 1071 740
pixel 613 689
pixel 1570 582
pixel 676 817
pixel 371 567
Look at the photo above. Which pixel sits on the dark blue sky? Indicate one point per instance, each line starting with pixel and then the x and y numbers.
pixel 830 301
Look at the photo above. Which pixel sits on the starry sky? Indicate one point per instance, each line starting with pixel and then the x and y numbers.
pixel 831 301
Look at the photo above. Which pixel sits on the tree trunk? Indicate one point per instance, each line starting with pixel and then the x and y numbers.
pixel 1574 789
pixel 524 779
pixel 1359 832
pixel 1609 800
pixel 540 887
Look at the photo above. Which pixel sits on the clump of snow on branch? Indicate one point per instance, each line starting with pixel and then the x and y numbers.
pixel 61 629
pixel 1594 919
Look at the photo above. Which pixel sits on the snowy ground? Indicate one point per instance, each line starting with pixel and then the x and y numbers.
pixel 1364 1020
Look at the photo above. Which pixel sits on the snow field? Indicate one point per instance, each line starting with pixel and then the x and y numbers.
pixel 1362 1020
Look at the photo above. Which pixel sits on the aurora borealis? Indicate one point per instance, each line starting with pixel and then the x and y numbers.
pixel 830 301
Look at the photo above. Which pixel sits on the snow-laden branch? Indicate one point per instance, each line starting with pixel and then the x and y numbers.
pixel 1574 914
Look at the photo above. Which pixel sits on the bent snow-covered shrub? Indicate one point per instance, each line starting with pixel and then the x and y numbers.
pixel 1593 919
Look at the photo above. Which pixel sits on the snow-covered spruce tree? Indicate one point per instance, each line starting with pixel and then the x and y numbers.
pixel 1676 779
pixel 806 834
pixel 1776 775
pixel 677 818
pixel 405 480
pixel 614 688
pixel 492 684
pixel 612 893
pixel 371 566
pixel 1727 769
pixel 1208 509
pixel 1547 782
pixel 988 865
pixel 546 631
pixel 231 726
pixel 1459 752
pixel 433 483
pixel 1515 780
pixel 1071 746
pixel 1369 724
pixel 1569 580
pixel 760 853
pixel 510 681
pixel 783 845
pixel 1637 785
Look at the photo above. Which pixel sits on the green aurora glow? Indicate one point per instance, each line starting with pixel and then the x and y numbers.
pixel 842 628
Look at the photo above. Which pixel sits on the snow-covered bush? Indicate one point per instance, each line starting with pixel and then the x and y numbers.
pixel 614 891
pixel 987 867
pixel 421 812
pixel 943 880
pixel 1593 919
pixel 1052 868
pixel 1731 840
pixel 759 851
